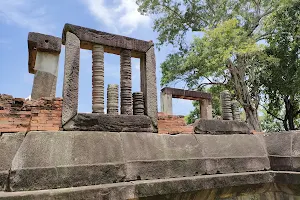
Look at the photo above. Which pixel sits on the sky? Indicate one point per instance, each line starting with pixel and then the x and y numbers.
pixel 18 17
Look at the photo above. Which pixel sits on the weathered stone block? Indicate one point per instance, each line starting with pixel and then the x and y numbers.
pixel 113 123
pixel 71 77
pixel 234 153
pixel 152 156
pixel 217 127
pixel 43 43
pixel 64 159
pixel 284 150
pixel 9 145
pixel 149 88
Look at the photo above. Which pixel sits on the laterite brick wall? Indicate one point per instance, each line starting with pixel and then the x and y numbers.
pixel 20 115
pixel 173 124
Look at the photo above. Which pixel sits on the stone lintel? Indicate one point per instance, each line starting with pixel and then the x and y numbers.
pixel 41 42
pixel 112 123
pixel 112 43
pixel 186 94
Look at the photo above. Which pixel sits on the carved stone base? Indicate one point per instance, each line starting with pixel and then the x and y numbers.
pixel 112 123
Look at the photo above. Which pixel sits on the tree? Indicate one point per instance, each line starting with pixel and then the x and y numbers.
pixel 226 55
pixel 281 79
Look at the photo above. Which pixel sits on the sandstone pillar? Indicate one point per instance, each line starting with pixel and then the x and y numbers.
pixel 98 79
pixel 148 85
pixel 166 103
pixel 71 77
pixel 205 109
pixel 45 78
pixel 125 82
pixel 226 105
pixel 113 99
pixel 235 110
pixel 138 103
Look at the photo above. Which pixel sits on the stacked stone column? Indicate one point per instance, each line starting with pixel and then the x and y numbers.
pixel 125 83
pixel 113 99
pixel 226 105
pixel 138 103
pixel 235 110
pixel 98 79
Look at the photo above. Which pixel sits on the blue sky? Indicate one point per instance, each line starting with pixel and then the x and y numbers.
pixel 18 17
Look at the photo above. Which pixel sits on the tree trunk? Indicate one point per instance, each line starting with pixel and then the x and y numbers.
pixel 252 118
pixel 289 113
pixel 244 96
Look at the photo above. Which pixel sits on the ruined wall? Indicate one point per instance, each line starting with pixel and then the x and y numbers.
pixel 20 115
pixel 173 124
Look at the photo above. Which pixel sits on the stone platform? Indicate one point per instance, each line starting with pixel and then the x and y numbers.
pixel 144 165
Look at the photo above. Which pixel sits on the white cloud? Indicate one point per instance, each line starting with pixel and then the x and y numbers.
pixel 119 15
pixel 25 13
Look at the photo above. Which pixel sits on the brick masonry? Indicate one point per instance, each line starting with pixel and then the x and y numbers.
pixel 20 115
pixel 173 124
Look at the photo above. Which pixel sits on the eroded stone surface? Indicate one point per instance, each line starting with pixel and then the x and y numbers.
pixel 217 127
pixel 113 123
pixel 235 110
pixel 91 36
pixel 71 77
pixel 98 79
pixel 65 159
pixel 226 105
pixel 41 42
pixel 250 185
pixel 138 103
pixel 125 82
pixel 150 91
pixel 9 145
pixel 284 150
pixel 44 85
pixel 113 99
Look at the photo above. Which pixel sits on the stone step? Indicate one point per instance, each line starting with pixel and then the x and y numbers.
pixel 229 185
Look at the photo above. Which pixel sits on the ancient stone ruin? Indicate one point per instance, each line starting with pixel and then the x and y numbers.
pixel 50 151
pixel 74 38
pixel 204 98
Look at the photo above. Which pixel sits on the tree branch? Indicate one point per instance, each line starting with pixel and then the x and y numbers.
pixel 272 114
pixel 176 13
pixel 256 24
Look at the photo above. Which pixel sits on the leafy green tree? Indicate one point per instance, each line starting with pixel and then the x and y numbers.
pixel 226 55
pixel 281 79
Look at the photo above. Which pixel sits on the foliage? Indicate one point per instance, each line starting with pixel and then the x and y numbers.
pixel 175 18
pixel 227 55
pixel 281 80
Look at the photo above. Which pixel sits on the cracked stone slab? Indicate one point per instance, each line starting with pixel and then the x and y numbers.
pixel 41 42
